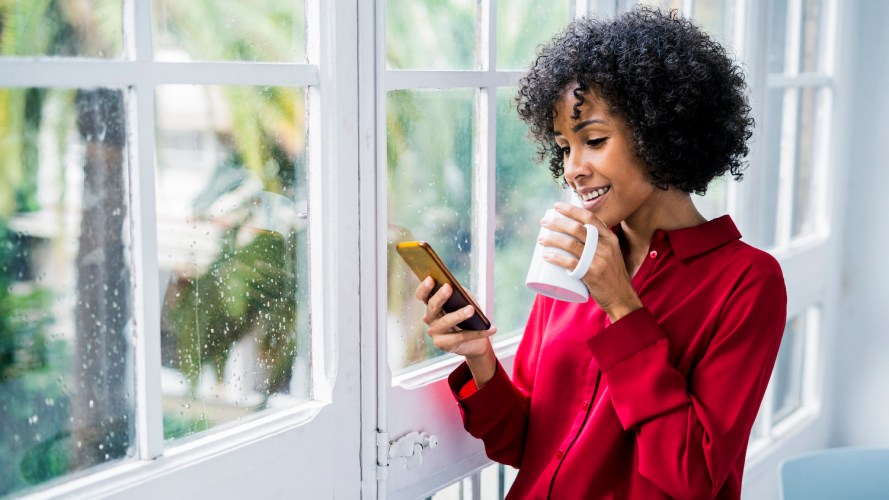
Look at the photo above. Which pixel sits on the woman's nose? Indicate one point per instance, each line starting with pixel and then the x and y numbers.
pixel 575 166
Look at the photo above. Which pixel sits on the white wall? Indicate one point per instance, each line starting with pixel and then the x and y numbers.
pixel 860 391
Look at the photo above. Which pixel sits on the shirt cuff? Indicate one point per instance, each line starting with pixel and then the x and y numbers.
pixel 625 337
pixel 468 389
pixel 497 393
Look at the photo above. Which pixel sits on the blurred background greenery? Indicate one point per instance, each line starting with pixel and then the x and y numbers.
pixel 431 152
pixel 231 182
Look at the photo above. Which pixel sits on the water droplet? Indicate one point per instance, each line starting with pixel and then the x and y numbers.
pixel 92 403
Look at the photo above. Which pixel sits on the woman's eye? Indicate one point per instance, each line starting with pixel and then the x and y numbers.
pixel 596 142
pixel 566 151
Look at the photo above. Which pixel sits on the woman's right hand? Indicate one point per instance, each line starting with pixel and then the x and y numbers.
pixel 443 329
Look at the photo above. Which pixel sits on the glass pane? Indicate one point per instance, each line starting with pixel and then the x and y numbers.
pixel 664 5
pixel 777 35
pixel 717 18
pixel 232 252
pixel 496 479
pixel 759 427
pixel 788 374
pixel 713 204
pixel 774 114
pixel 66 309
pixel 491 487
pixel 453 492
pixel 813 36
pixel 525 190
pixel 431 34
pixel 430 154
pixel 804 204
pixel 509 475
pixel 522 25
pixel 88 28
pixel 229 30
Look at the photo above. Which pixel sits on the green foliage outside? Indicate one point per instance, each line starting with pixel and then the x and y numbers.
pixel 253 284
pixel 255 268
pixel 431 148
pixel 33 404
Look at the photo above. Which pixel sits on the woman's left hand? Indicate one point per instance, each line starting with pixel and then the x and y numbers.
pixel 607 278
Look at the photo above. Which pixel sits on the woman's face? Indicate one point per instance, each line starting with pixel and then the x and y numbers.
pixel 600 162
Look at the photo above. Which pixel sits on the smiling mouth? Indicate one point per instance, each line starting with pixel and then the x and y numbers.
pixel 592 195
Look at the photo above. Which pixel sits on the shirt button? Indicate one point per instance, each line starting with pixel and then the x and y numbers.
pixel 559 454
pixel 585 404
pixel 653 254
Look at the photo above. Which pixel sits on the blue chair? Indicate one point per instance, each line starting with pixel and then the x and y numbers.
pixel 837 473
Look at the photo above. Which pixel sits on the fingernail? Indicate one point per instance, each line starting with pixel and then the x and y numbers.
pixel 539 240
pixel 467 310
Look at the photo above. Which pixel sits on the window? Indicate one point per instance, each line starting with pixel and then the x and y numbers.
pixel 792 397
pixel 460 168
pixel 798 105
pixel 66 276
pixel 199 202
pixel 161 250
pixel 796 122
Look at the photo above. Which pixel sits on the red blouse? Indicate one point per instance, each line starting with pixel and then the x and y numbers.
pixel 659 404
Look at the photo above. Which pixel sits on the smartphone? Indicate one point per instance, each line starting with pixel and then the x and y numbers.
pixel 423 261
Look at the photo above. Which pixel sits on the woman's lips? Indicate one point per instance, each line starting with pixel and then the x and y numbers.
pixel 595 203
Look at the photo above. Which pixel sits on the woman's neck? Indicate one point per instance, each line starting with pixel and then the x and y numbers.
pixel 666 210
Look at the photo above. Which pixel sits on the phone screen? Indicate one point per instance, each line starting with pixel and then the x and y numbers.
pixel 423 261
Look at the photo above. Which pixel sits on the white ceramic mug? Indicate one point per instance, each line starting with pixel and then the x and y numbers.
pixel 555 281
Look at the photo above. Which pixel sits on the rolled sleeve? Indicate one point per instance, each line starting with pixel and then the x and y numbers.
pixel 633 354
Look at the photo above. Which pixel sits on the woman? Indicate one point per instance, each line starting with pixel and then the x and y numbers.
pixel 650 389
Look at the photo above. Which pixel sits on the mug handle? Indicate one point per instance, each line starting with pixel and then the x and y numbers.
pixel 589 250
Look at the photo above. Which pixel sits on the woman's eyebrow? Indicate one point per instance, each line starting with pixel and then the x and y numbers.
pixel 581 125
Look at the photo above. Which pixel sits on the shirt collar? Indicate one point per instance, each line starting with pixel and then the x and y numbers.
pixel 691 241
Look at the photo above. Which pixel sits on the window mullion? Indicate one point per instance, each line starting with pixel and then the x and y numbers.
pixel 483 182
pixel 476 485
pixel 485 38
pixel 423 79
pixel 149 411
pixel 789 127
pixel 794 31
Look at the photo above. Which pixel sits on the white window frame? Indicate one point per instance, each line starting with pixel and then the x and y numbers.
pixel 255 457
pixel 809 293
pixel 350 427
pixel 486 81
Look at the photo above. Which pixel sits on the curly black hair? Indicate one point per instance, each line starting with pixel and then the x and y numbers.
pixel 682 97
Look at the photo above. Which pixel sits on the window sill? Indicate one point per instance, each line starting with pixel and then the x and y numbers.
pixel 439 368
pixel 114 480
